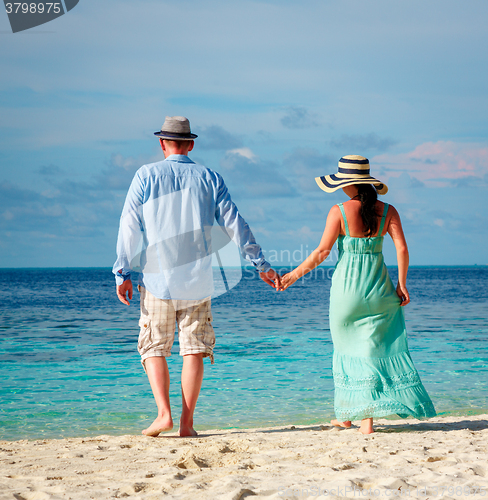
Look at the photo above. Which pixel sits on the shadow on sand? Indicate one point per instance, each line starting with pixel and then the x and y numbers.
pixel 402 426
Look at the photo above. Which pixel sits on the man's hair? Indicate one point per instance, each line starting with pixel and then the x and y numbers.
pixel 177 143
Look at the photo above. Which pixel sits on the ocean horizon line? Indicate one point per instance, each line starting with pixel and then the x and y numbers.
pixel 412 266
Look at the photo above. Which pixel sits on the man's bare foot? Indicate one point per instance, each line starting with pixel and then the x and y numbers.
pixel 187 431
pixel 161 424
pixel 345 424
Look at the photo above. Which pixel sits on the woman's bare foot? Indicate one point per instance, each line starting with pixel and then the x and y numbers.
pixel 345 424
pixel 161 424
pixel 366 426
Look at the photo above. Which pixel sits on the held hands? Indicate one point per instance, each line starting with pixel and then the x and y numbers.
pixel 126 286
pixel 402 292
pixel 287 280
pixel 280 283
pixel 272 278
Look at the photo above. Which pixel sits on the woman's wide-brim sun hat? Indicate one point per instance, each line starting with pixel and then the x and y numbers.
pixel 353 169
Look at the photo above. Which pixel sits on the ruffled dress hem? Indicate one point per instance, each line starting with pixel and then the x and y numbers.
pixel 378 387
pixel 385 409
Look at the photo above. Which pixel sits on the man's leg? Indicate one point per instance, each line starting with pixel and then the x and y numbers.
pixel 191 382
pixel 158 374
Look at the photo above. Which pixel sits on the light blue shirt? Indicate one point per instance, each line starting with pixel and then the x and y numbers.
pixel 167 231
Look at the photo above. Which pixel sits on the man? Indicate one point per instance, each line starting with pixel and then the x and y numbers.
pixel 166 234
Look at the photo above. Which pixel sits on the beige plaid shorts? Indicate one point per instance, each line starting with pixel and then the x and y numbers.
pixel 158 323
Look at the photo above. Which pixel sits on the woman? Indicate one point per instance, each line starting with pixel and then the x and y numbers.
pixel 374 375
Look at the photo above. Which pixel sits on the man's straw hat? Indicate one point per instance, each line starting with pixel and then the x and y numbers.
pixel 176 128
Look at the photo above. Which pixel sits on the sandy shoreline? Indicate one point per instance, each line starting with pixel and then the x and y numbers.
pixel 439 458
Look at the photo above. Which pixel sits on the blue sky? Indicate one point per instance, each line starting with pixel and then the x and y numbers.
pixel 278 91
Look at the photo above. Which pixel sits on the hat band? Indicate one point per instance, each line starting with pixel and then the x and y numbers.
pixel 335 183
pixel 175 134
pixel 353 170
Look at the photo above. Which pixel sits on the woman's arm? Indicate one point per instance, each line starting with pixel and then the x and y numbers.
pixel 395 230
pixel 331 232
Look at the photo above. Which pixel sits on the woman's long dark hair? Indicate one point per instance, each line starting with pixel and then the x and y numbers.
pixel 368 196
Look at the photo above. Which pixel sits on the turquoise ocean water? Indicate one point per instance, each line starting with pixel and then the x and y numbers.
pixel 69 364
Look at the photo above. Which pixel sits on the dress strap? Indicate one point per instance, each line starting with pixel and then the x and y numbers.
pixel 344 217
pixel 383 219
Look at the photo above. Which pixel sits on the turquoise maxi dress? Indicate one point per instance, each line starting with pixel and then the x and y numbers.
pixel 374 375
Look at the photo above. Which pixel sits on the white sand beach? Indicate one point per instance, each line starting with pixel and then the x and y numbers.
pixel 439 458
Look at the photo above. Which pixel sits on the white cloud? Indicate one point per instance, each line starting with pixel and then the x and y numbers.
pixel 245 152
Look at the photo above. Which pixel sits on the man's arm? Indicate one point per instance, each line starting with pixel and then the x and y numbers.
pixel 128 241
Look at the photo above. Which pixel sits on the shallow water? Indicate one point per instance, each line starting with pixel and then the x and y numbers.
pixel 69 364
